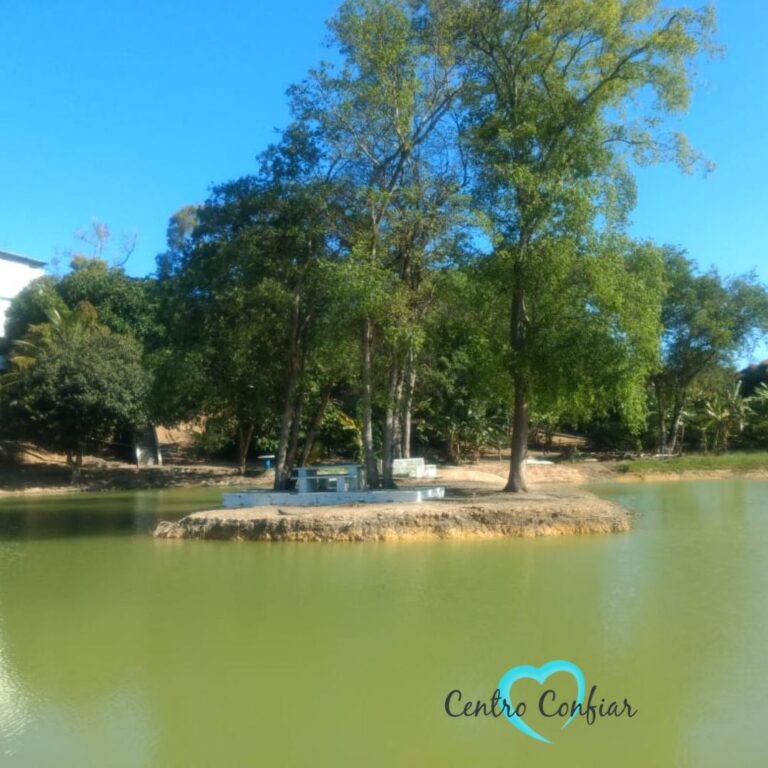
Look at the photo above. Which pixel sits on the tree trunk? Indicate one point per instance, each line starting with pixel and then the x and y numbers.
pixel 394 397
pixel 397 425
pixel 244 437
pixel 371 471
pixel 76 462
pixel 282 479
pixel 293 443
pixel 675 425
pixel 454 447
pixel 314 425
pixel 410 386
pixel 295 364
pixel 516 481
pixel 661 417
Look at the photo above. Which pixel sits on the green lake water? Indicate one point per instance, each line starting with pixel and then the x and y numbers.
pixel 119 650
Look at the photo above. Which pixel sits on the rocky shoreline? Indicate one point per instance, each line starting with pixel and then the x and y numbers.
pixel 487 515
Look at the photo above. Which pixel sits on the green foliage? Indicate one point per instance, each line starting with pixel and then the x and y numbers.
pixel 181 227
pixel 609 432
pixel 463 400
pixel 124 304
pixel 32 306
pixel 707 321
pixel 755 433
pixel 245 292
pixel 73 381
pixel 556 94
pixel 339 435
pixel 736 462
pixel 592 327
pixel 726 415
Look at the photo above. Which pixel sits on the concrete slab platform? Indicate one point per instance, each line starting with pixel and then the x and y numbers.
pixel 329 498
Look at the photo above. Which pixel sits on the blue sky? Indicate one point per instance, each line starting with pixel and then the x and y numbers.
pixel 126 111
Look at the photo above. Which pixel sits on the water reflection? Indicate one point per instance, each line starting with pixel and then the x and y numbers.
pixel 99 514
pixel 13 705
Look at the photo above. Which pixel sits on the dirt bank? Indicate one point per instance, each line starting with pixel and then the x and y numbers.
pixel 31 479
pixel 47 474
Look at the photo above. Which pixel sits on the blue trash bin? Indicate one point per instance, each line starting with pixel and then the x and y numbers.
pixel 266 460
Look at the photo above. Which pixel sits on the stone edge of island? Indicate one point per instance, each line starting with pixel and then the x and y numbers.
pixel 492 516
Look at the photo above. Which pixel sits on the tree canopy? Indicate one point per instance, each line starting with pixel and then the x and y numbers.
pixel 706 320
pixel 556 94
pixel 72 381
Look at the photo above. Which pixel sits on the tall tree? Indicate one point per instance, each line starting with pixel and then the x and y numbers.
pixel 246 289
pixel 426 233
pixel 707 321
pixel 396 85
pixel 559 91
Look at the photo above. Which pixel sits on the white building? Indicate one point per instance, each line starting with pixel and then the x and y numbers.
pixel 16 272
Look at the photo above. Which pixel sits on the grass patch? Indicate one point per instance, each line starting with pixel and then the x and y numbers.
pixel 736 462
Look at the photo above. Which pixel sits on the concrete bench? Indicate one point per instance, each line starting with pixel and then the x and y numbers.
pixel 413 468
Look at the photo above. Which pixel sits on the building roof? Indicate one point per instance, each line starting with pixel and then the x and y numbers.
pixel 5 256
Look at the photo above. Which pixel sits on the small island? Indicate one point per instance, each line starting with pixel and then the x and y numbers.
pixel 474 506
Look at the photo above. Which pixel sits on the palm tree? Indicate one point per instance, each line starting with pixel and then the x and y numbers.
pixel 726 414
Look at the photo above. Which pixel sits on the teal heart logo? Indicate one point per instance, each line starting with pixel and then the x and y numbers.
pixel 539 674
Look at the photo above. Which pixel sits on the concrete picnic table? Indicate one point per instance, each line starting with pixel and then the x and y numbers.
pixel 345 476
